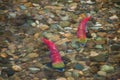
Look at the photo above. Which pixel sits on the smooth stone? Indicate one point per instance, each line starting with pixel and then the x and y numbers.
pixel 32 55
pixel 98 46
pixel 16 68
pixel 43 27
pixel 100 42
pixel 118 31
pixel 107 68
pixel 95 28
pixel 33 24
pixel 61 78
pixel 75 74
pixel 74 44
pixel 101 34
pixel 90 2
pixel 114 58
pixel 78 66
pixel 64 18
pixel 72 6
pixel 34 70
pixel 68 28
pixel 23 1
pixel 93 53
pixel 7 72
pixel 94 69
pixel 70 1
pixel 98 24
pixel 115 47
pixel 64 23
pixel 90 44
pixel 102 73
pixel 114 17
pixel 44 79
pixel 35 4
pixel 70 78
pixel 23 7
pixel 94 35
pixel 12 15
pixel 68 74
pixel 98 38
pixel 99 58
pixel 62 41
pixel 37 22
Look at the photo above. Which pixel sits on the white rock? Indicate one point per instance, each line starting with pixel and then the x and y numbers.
pixel 90 2
pixel 33 24
pixel 98 24
pixel 93 53
pixel 113 17
pixel 37 22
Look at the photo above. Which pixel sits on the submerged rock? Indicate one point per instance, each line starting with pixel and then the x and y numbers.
pixel 99 58
pixel 107 68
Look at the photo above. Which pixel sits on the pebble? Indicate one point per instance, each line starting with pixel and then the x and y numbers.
pixel 114 17
pixel 90 44
pixel 78 66
pixel 44 79
pixel 36 35
pixel 43 27
pixel 64 18
pixel 101 34
pixel 114 58
pixel 72 6
pixel 16 68
pixel 70 1
pixel 93 53
pixel 98 46
pixel 100 41
pixel 23 7
pixel 12 15
pixel 62 41
pixel 33 24
pixel 115 47
pixel 23 1
pixel 118 31
pixel 53 37
pixel 99 58
pixel 34 69
pixel 64 23
pixel 98 24
pixel 90 2
pixel 107 68
pixel 75 74
pixel 7 72
pixel 102 73
pixel 94 35
pixel 68 74
pixel 32 55
pixel 70 78
pixel 61 78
